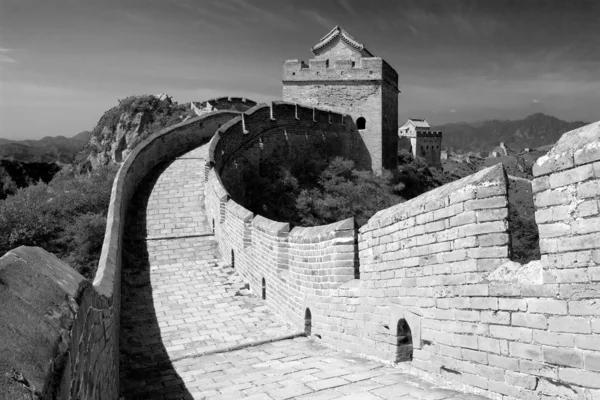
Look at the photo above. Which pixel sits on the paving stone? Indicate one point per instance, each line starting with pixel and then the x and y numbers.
pixel 179 300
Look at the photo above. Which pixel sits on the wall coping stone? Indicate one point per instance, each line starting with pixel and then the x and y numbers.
pixel 239 211
pixel 300 232
pixel 270 226
pixel 438 197
pixel 576 147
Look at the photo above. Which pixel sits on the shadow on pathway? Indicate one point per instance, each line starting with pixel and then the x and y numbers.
pixel 146 369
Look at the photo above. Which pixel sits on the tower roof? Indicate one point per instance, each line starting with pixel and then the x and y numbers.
pixel 343 35
pixel 417 122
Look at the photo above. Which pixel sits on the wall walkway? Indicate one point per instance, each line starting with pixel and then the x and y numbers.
pixel 430 282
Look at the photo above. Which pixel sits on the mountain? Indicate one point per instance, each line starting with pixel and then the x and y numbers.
pixel 534 131
pixel 49 149
pixel 126 125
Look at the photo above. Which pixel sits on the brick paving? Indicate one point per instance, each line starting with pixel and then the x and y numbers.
pixel 180 301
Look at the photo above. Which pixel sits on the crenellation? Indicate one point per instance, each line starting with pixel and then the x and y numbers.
pixel 428 283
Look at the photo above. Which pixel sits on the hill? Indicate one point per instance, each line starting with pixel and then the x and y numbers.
pixel 50 149
pixel 533 131
pixel 126 125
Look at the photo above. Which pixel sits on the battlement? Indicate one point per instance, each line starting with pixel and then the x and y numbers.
pixel 421 134
pixel 301 121
pixel 222 103
pixel 366 69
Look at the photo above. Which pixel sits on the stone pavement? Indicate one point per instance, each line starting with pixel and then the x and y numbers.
pixel 302 369
pixel 181 302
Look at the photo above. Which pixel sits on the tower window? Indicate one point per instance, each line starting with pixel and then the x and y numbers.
pixel 361 123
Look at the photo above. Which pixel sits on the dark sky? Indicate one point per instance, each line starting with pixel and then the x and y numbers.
pixel 64 62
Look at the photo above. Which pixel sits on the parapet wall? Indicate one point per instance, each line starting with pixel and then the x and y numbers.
pixel 436 272
pixel 85 340
pixel 367 69
pixel 282 134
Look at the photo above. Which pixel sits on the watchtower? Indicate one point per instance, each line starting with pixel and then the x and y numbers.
pixel 345 77
pixel 417 137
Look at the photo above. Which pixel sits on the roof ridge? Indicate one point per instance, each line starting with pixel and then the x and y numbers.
pixel 344 35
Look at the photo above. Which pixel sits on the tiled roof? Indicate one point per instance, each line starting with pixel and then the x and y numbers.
pixel 416 122
pixel 345 36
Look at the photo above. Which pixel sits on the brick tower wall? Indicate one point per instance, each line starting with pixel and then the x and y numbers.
pixel 367 89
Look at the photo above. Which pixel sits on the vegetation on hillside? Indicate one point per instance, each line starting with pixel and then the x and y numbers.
pixel 66 217
pixel 15 175
pixel 317 192
pixel 49 149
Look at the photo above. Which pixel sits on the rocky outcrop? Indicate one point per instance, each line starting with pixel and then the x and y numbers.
pixel 123 127
pixel 135 118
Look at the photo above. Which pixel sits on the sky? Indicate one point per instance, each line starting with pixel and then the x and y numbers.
pixel 64 62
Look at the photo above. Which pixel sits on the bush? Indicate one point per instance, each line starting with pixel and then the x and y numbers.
pixel 314 193
pixel 66 217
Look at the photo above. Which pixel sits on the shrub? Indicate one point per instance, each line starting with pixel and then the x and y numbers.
pixel 66 217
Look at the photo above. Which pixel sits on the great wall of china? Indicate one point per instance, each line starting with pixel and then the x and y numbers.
pixel 427 286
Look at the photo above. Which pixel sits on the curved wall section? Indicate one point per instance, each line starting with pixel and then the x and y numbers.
pixel 437 290
pixel 92 365
pixel 283 134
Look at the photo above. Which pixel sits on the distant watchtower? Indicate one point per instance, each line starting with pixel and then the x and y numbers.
pixel 345 77
pixel 417 137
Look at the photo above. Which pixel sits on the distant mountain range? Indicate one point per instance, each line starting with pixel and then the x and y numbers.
pixel 534 131
pixel 57 149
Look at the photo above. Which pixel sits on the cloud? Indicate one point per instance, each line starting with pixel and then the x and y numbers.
pixel 7 59
pixel 535 101
pixel 452 111
pixel 4 58
pixel 346 6
pixel 319 19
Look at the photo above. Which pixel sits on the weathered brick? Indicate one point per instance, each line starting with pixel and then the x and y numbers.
pixel 494 214
pixel 547 306
pixel 511 333
pixel 464 218
pixel 503 362
pixel 563 356
pixel 554 339
pixel 482 204
pixel 524 350
pixel 586 307
pixel 539 369
pixel 493 239
pixel 574 175
pixel 555 229
pixel 475 356
pixel 588 189
pixel 569 324
pixel 529 320
pixel 488 344
pixel 580 377
pixel 592 360
pixel 522 380
pixel 512 304
pixel 551 197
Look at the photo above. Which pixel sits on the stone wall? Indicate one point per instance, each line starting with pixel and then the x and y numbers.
pixel 432 282
pixel 367 88
pixel 86 364
pixel 283 134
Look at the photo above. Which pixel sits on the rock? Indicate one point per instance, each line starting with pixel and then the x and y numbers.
pixel 39 294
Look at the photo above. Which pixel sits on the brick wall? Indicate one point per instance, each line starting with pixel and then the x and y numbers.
pixel 363 88
pixel 439 265
pixel 89 348
pixel 283 134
